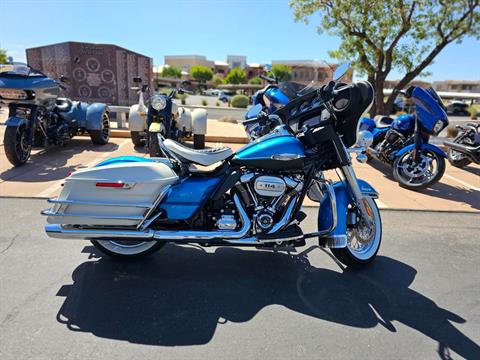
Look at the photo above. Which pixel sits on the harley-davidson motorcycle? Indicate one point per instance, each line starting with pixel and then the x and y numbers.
pixel 159 114
pixel 403 142
pixel 38 117
pixel 132 206
pixel 465 148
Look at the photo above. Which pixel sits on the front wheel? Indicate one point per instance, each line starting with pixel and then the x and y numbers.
pixel 418 175
pixel 15 142
pixel 457 159
pixel 127 248
pixel 363 240
pixel 101 137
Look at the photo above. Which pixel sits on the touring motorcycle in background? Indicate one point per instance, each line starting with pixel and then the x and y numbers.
pixel 38 117
pixel 161 115
pixel 132 206
pixel 404 141
pixel 465 148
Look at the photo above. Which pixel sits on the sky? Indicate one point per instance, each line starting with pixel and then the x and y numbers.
pixel 263 30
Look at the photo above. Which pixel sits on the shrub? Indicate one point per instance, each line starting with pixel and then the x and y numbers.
pixel 255 81
pixel 182 97
pixel 217 80
pixel 236 76
pixel 201 73
pixel 282 72
pixel 171 72
pixel 240 101
pixel 204 102
pixel 473 112
pixel 217 104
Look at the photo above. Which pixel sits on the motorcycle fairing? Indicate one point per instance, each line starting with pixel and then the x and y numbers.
pixel 184 198
pixel 424 146
pixel 343 199
pixel 429 111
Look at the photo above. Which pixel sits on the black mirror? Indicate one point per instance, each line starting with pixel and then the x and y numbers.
pixel 64 79
pixel 137 79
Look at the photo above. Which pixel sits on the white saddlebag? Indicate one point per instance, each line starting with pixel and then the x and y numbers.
pixel 111 195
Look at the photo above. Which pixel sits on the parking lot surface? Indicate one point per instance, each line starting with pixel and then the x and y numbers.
pixel 418 300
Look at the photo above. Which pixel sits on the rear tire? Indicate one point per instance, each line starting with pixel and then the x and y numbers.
pixel 102 136
pixel 198 141
pixel 360 257
pixel 122 249
pixel 137 139
pixel 14 142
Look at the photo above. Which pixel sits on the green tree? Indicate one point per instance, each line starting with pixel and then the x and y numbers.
pixel 171 72
pixel 3 56
pixel 282 72
pixel 201 73
pixel 236 76
pixel 217 80
pixel 382 35
pixel 255 81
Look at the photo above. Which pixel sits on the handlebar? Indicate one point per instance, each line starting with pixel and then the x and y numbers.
pixel 269 79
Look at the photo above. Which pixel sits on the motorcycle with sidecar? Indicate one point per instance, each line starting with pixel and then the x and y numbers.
pixel 39 117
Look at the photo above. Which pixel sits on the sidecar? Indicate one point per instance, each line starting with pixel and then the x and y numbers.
pixel 190 123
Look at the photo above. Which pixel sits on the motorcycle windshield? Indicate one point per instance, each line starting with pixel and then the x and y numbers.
pixel 21 70
pixel 429 109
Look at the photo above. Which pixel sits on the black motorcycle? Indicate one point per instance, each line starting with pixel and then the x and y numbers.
pixel 465 148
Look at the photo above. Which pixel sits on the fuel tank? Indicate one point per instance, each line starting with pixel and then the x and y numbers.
pixel 404 123
pixel 277 152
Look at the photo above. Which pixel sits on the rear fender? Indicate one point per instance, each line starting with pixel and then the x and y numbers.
pixel 426 146
pixel 343 199
pixel 199 121
pixel 94 116
pixel 184 119
pixel 15 121
pixel 137 120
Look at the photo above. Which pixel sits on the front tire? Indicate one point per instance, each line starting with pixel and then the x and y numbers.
pixel 127 249
pixel 137 138
pixel 198 141
pixel 102 136
pixel 456 159
pixel 419 176
pixel 17 150
pixel 362 243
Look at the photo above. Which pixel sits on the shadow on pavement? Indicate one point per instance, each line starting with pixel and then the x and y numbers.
pixel 51 164
pixel 180 295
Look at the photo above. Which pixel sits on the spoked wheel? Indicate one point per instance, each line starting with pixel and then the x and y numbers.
pixel 101 137
pixel 17 150
pixel 418 175
pixel 127 248
pixel 363 240
pixel 457 159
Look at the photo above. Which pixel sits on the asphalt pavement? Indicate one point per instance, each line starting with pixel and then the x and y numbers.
pixel 419 300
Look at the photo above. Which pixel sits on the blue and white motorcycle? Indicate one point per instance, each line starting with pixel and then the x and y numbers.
pixel 132 206
pixel 403 142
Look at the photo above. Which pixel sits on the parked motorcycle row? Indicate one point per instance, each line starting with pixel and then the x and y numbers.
pixel 131 206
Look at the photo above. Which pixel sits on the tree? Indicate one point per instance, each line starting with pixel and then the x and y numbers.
pixel 236 76
pixel 217 80
pixel 255 81
pixel 282 72
pixel 3 56
pixel 171 72
pixel 382 35
pixel 201 73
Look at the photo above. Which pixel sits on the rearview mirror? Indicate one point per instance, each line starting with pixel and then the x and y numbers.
pixel 253 112
pixel 340 71
pixel 137 79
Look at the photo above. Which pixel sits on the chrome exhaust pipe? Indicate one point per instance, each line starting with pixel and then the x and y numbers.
pixel 59 232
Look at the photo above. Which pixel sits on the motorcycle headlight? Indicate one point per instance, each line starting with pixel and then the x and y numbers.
pixel 158 102
pixel 439 125
pixel 13 94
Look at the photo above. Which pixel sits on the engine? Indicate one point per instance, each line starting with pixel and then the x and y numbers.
pixel 266 198
pixel 392 142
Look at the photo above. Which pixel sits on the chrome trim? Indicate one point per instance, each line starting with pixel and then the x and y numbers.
pixel 351 179
pixel 96 203
pixel 333 206
pixel 57 231
pixel 285 157
pixel 155 204
pixel 335 241
pixel 49 212
pixel 285 218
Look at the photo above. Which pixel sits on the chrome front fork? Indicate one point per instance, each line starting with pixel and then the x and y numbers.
pixel 358 197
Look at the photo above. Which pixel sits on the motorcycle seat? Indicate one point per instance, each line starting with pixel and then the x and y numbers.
pixel 382 121
pixel 204 157
pixel 63 104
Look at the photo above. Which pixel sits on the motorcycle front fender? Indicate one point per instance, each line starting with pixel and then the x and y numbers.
pixel 137 120
pixel 426 146
pixel 342 200
pixel 199 121
pixel 15 121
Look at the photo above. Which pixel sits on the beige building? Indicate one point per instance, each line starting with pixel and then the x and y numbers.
pixel 186 62
pixel 306 71
pixel 458 86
